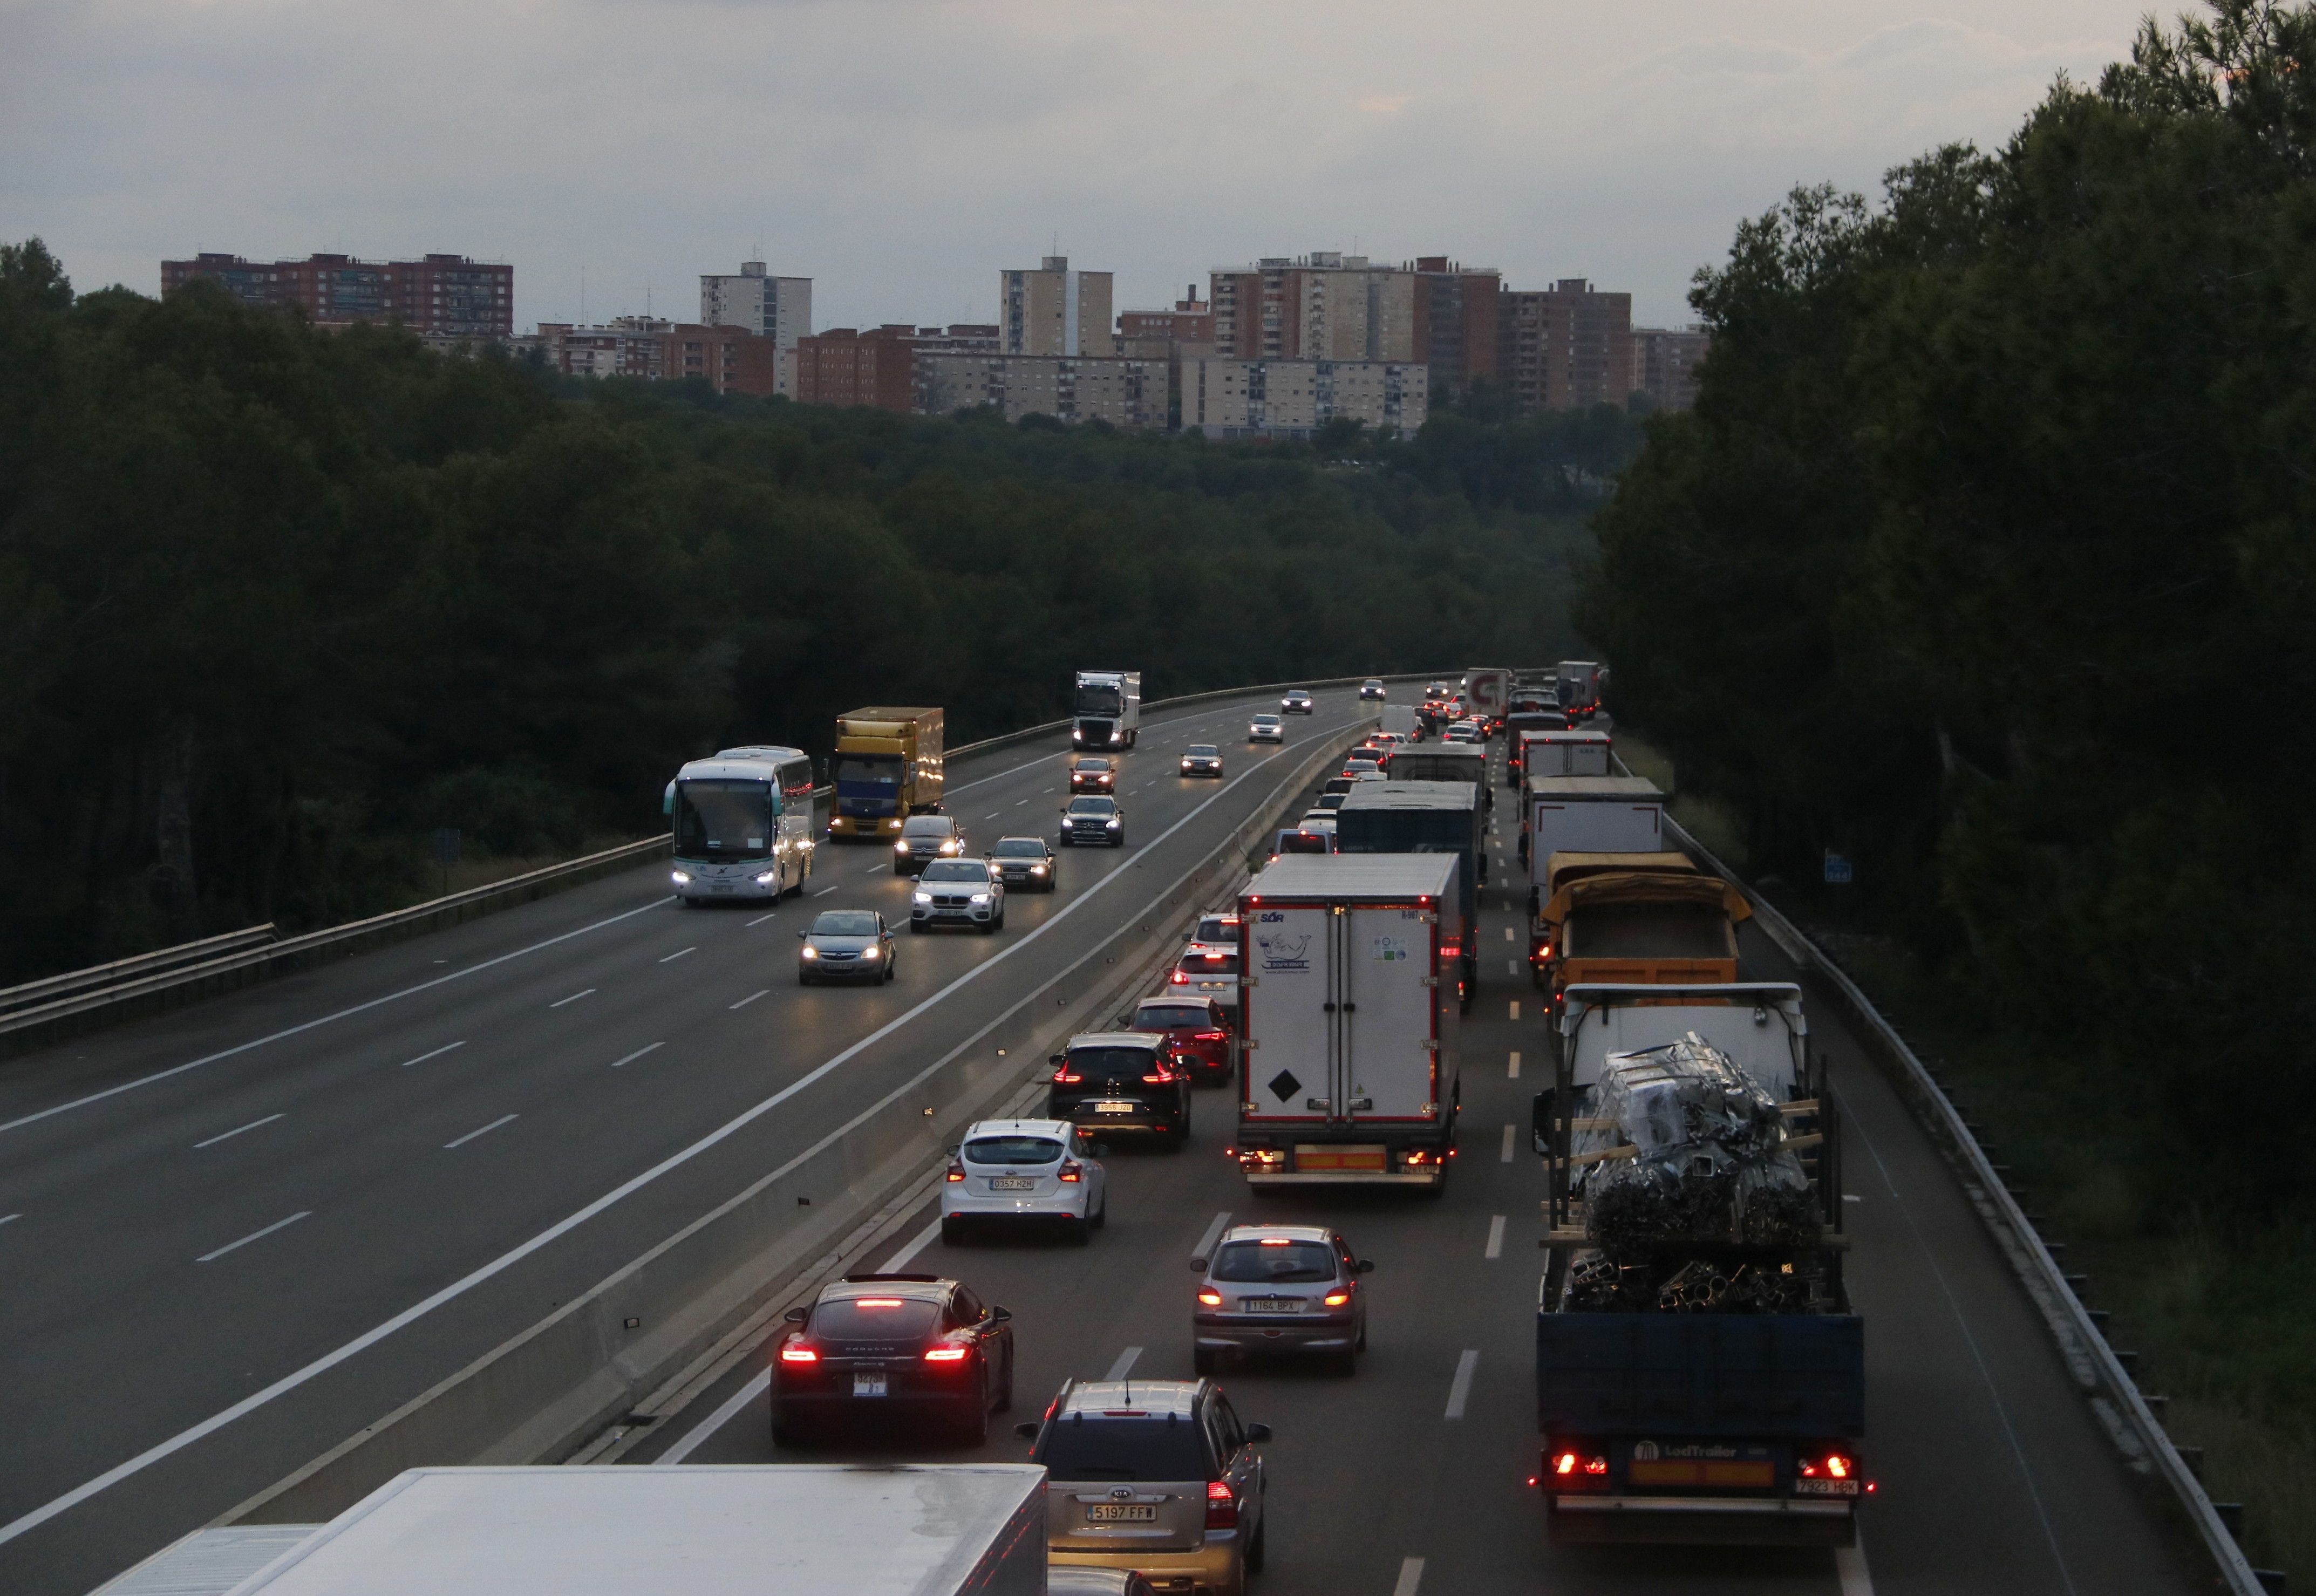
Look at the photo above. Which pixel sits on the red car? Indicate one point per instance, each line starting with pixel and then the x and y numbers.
pixel 1197 1032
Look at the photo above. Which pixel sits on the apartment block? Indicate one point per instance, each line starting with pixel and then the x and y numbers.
pixel 441 296
pixel 1128 394
pixel 1325 306
pixel 775 308
pixel 1664 364
pixel 1236 399
pixel 846 366
pixel 1054 310
pixel 1455 322
pixel 730 359
pixel 1567 347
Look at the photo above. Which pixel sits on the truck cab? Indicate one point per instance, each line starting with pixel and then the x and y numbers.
pixel 1106 710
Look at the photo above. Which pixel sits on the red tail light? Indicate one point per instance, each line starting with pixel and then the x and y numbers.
pixel 798 1352
pixel 1210 1036
pixel 1834 1465
pixel 956 1173
pixel 946 1354
pixel 1065 1076
pixel 1335 1300
pixel 1179 978
pixel 1222 1506
pixel 1213 1299
pixel 1072 1171
pixel 1162 1078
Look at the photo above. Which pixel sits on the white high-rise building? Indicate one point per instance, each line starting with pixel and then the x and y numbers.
pixel 775 308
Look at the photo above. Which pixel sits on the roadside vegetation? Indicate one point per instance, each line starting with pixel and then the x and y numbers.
pixel 1986 560
pixel 277 603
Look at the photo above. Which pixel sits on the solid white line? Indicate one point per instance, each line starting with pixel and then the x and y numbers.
pixel 1510 1131
pixel 255 1234
pixel 1460 1392
pixel 230 1135
pixel 505 1260
pixel 1515 1008
pixel 1123 1364
pixel 1495 1238
pixel 751 997
pixel 574 998
pixel 671 957
pixel 1512 1071
pixel 179 1069
pixel 471 1134
pixel 1205 1247
pixel 823 892
pixel 914 1246
pixel 725 1411
pixel 438 1052
pixel 775 915
pixel 638 1053
pixel 1849 1567
pixel 1411 1575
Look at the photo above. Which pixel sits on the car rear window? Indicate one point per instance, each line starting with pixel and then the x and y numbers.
pixel 1298 841
pixel 876 1318
pixel 1172 1016
pixel 1211 964
pixel 1214 928
pixel 845 923
pixel 1012 1149
pixel 1081 1448
pixel 1282 1263
pixel 1097 1063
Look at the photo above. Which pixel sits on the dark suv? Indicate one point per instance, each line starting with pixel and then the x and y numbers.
pixel 878 1346
pixel 1120 1082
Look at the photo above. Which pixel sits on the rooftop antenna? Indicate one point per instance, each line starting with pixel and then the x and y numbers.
pixel 582 295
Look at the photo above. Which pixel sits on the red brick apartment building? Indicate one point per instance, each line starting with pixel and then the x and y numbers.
pixel 439 296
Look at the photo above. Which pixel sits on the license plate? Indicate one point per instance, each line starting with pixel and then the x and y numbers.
pixel 1274 1305
pixel 1825 1487
pixel 869 1384
pixel 719 889
pixel 1120 1512
pixel 1117 1108
pixel 1006 1183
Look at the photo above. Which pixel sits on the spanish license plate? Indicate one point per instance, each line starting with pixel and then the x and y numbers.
pixel 1120 1512
pixel 720 887
pixel 1274 1305
pixel 1117 1108
pixel 869 1384
pixel 1011 1183
pixel 1825 1487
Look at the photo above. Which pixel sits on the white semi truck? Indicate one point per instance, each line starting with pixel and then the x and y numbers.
pixel 1106 710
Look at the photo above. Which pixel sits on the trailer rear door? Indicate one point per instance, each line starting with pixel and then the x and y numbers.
pixel 1385 957
pixel 1290 1012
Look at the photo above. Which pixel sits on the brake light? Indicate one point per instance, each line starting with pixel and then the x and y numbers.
pixel 1213 1299
pixel 1335 1300
pixel 1210 1036
pixel 1180 977
pixel 956 1173
pixel 1832 1466
pixel 1072 1171
pixel 876 1302
pixel 1277 1241
pixel 945 1355
pixel 795 1352
pixel 1065 1076
pixel 1222 1506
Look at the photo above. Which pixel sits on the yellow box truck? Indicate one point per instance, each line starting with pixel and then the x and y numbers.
pixel 886 767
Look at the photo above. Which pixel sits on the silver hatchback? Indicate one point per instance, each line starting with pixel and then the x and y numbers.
pixel 1280 1289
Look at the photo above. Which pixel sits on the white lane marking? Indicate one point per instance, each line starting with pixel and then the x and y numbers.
pixel 1512 967
pixel 760 919
pixel 1508 935
pixel 1052 790
pixel 9 1218
pixel 255 1234
pixel 726 1412
pixel 751 997
pixel 1411 1576
pixel 1495 1238
pixel 873 868
pixel 1460 1392
pixel 438 1052
pixel 1851 1197
pixel 574 998
pixel 914 1246
pixel 1515 1008
pixel 1205 1247
pixel 1510 1131
pixel 1123 1364
pixel 823 892
pixel 1511 1072
pixel 1849 1567
pixel 638 1053
pixel 671 957
pixel 458 1287
pixel 1019 802
pixel 992 814
pixel 486 1130
pixel 230 1135
pixel 178 1069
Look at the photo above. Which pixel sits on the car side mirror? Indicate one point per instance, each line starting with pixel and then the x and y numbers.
pixel 1367 1266
pixel 1125 1022
pixel 797 1315
pixel 951 1152
pixel 800 936
pixel 1000 1316
pixel 1199 1264
pixel 1027 1430
pixel 1058 1060
pixel 1258 1432
pixel 1102 1149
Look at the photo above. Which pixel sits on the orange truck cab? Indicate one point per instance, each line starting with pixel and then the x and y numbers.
pixel 1634 919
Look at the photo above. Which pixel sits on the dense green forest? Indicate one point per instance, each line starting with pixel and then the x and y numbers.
pixel 275 603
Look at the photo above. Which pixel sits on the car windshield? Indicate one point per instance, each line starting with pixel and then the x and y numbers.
pixel 1265 720
pixel 927 825
pixel 1211 964
pixel 1094 764
pixel 845 923
pixel 1096 1063
pixel 1093 806
pixel 1202 751
pixel 956 869
pixel 1012 1149
pixel 1020 847
pixel 1298 695
pixel 1170 1016
pixel 876 1318
pixel 1158 1447
pixel 1277 1261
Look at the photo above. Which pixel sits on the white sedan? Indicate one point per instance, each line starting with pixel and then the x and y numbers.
pixel 1012 1171
pixel 1266 728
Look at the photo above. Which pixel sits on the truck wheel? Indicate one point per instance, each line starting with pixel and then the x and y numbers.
pixel 1347 1362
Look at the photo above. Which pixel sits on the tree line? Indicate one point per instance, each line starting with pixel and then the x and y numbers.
pixel 1985 559
pixel 275 603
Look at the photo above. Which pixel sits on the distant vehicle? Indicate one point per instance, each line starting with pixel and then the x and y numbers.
pixel 1202 759
pixel 1215 933
pixel 1335 787
pixel 924 838
pixel 1093 773
pixel 959 892
pixel 1019 1172
pixel 1332 801
pixel 887 766
pixel 1159 1477
pixel 1280 1289
pixel 1488 690
pixel 742 824
pixel 1120 1082
pixel 1463 731
pixel 1093 820
pixel 1587 815
pixel 1207 970
pixel 1297 702
pixel 1577 684
pixel 1106 710
pixel 1026 863
pixel 1363 759
pixel 1371 689
pixel 1198 1031
pixel 845 945
pixel 1413 817
pixel 1321 820
pixel 1294 839
pixel 1401 719
pixel 877 1347
pixel 1266 728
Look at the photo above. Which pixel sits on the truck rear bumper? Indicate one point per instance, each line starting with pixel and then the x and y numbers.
pixel 1704 1520
pixel 1348 1177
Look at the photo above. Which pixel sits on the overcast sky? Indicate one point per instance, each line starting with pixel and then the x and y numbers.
pixel 902 152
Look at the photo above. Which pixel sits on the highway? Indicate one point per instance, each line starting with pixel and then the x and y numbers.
pixel 397 1161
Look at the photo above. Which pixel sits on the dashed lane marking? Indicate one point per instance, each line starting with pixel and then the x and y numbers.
pixel 751 997
pixel 671 957
pixel 438 1052
pixel 1510 1131
pixel 255 1235
pixel 486 1130
pixel 1411 1577
pixel 638 1053
pixel 916 1245
pixel 823 892
pixel 1123 1364
pixel 1460 1392
pixel 1512 1071
pixel 574 998
pixel 726 1412
pixel 1515 1008
pixel 230 1135
pixel 760 919
pixel 1495 1238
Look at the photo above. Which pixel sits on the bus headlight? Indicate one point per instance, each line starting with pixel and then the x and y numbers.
pixel 681 877
pixel 768 877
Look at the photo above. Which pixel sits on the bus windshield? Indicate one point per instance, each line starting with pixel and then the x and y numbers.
pixel 868 783
pixel 723 819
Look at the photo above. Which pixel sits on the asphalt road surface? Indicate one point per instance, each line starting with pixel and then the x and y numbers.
pixel 233 1235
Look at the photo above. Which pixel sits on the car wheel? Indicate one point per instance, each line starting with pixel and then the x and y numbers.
pixel 1361 1344
pixel 1347 1362
pixel 952 1232
pixel 1254 1549
pixel 804 977
pixel 973 1429
pixel 1204 1362
pixel 890 968
pixel 1081 1232
pixel 1101 1214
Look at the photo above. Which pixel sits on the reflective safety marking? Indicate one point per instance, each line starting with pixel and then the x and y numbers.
pixel 1512 1071
pixel 486 1130
pixel 1510 1132
pixel 1411 1577
pixel 1460 1392
pixel 255 1234
pixel 574 998
pixel 230 1135
pixel 1495 1238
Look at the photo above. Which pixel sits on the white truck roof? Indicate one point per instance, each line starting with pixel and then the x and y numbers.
pixel 1590 788
pixel 1388 794
pixel 1355 875
pixel 738 1531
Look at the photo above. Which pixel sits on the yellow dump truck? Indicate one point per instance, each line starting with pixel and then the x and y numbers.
pixel 1633 919
pixel 887 766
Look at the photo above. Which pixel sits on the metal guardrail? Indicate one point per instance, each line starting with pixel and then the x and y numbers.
pixel 49 987
pixel 2071 1325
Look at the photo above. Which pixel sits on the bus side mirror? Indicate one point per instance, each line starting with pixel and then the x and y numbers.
pixel 1540 1121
